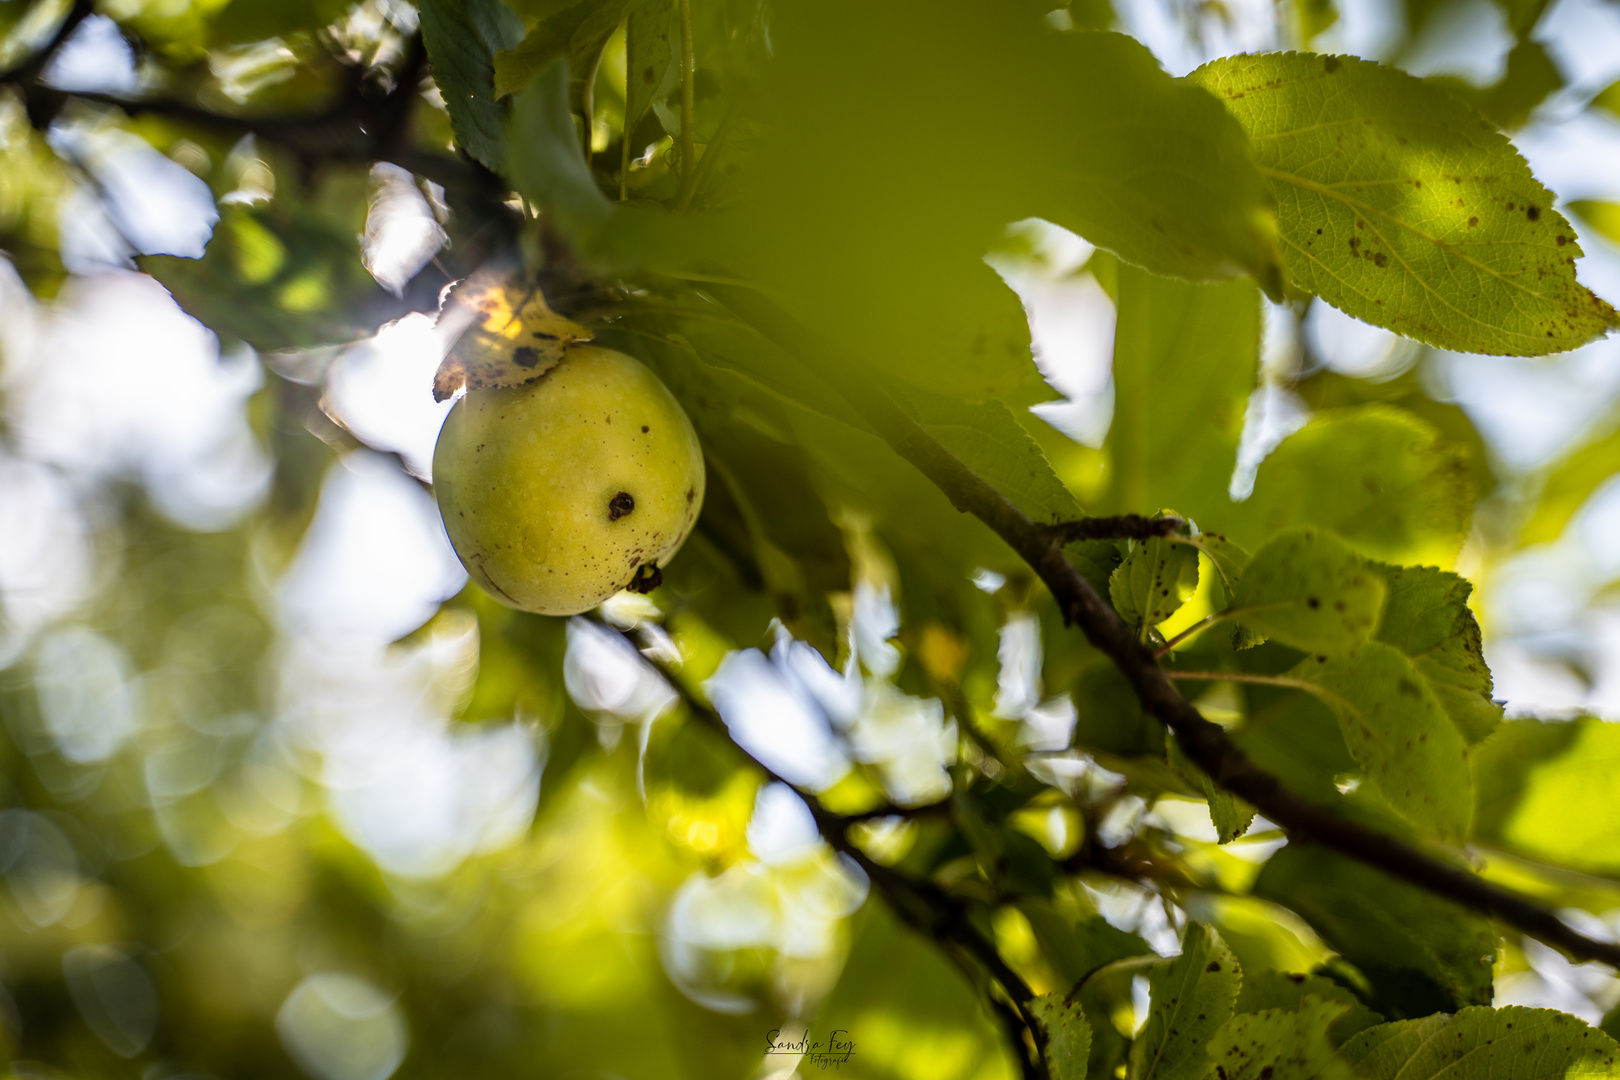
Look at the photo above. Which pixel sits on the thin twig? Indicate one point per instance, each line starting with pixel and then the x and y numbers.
pixel 1204 742
pixel 1196 628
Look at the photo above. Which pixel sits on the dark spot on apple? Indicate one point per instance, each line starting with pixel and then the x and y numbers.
pixel 620 506
pixel 647 578
pixel 644 429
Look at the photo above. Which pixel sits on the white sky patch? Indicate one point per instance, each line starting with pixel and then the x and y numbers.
pixel 417 792
pixel 1467 38
pixel 1272 415
pixel 1530 410
pixel 96 59
pixel 781 829
pixel 1018 679
pixel 776 721
pixel 1583 37
pixel 375 562
pixel 382 390
pixel 1351 347
pixel 1071 327
pixel 402 234
pixel 45 553
pixel 118 381
pixel 158 205
pixel 341 1027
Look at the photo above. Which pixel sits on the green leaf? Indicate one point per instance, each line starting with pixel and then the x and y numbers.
pixel 648 57
pixel 1229 559
pixel 462 38
pixel 890 252
pixel 1570 482
pixel 1068 1036
pixel 1230 815
pixel 1608 99
pixel 1153 582
pixel 1426 616
pixel 1546 790
pixel 283 276
pixel 897 981
pixel 1378 476
pixel 1287 990
pixel 577 32
pixel 1399 733
pixel 548 167
pixel 1602 216
pixel 1192 997
pixel 1509 1043
pixel 1281 1044
pixel 1075 950
pixel 1421 954
pixel 1307 589
pixel 989 440
pixel 1403 207
pixel 1531 77
pixel 1185 361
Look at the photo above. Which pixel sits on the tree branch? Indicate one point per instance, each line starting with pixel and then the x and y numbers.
pixel 1204 742
pixel 921 904
pixel 1123 527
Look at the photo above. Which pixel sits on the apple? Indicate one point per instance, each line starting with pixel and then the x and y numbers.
pixel 559 493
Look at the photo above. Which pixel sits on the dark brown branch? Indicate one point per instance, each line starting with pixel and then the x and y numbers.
pixel 1123 527
pixel 1205 743
pixel 921 904
pixel 878 813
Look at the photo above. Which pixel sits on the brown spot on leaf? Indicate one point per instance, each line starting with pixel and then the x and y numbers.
pixel 525 357
pixel 1472 222
pixel 1533 212
pixel 1379 259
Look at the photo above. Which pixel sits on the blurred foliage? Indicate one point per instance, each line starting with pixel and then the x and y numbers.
pixel 382 825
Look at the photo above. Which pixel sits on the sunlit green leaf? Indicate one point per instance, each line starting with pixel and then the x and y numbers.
pixel 1288 990
pixel 1398 731
pixel 988 439
pixel 1547 790
pixel 1191 997
pixel 1379 477
pixel 1308 589
pixel 1185 361
pixel 1484 1044
pixel 1153 582
pixel 1068 1036
pixel 1406 209
pixel 1281 1044
pixel 1426 616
